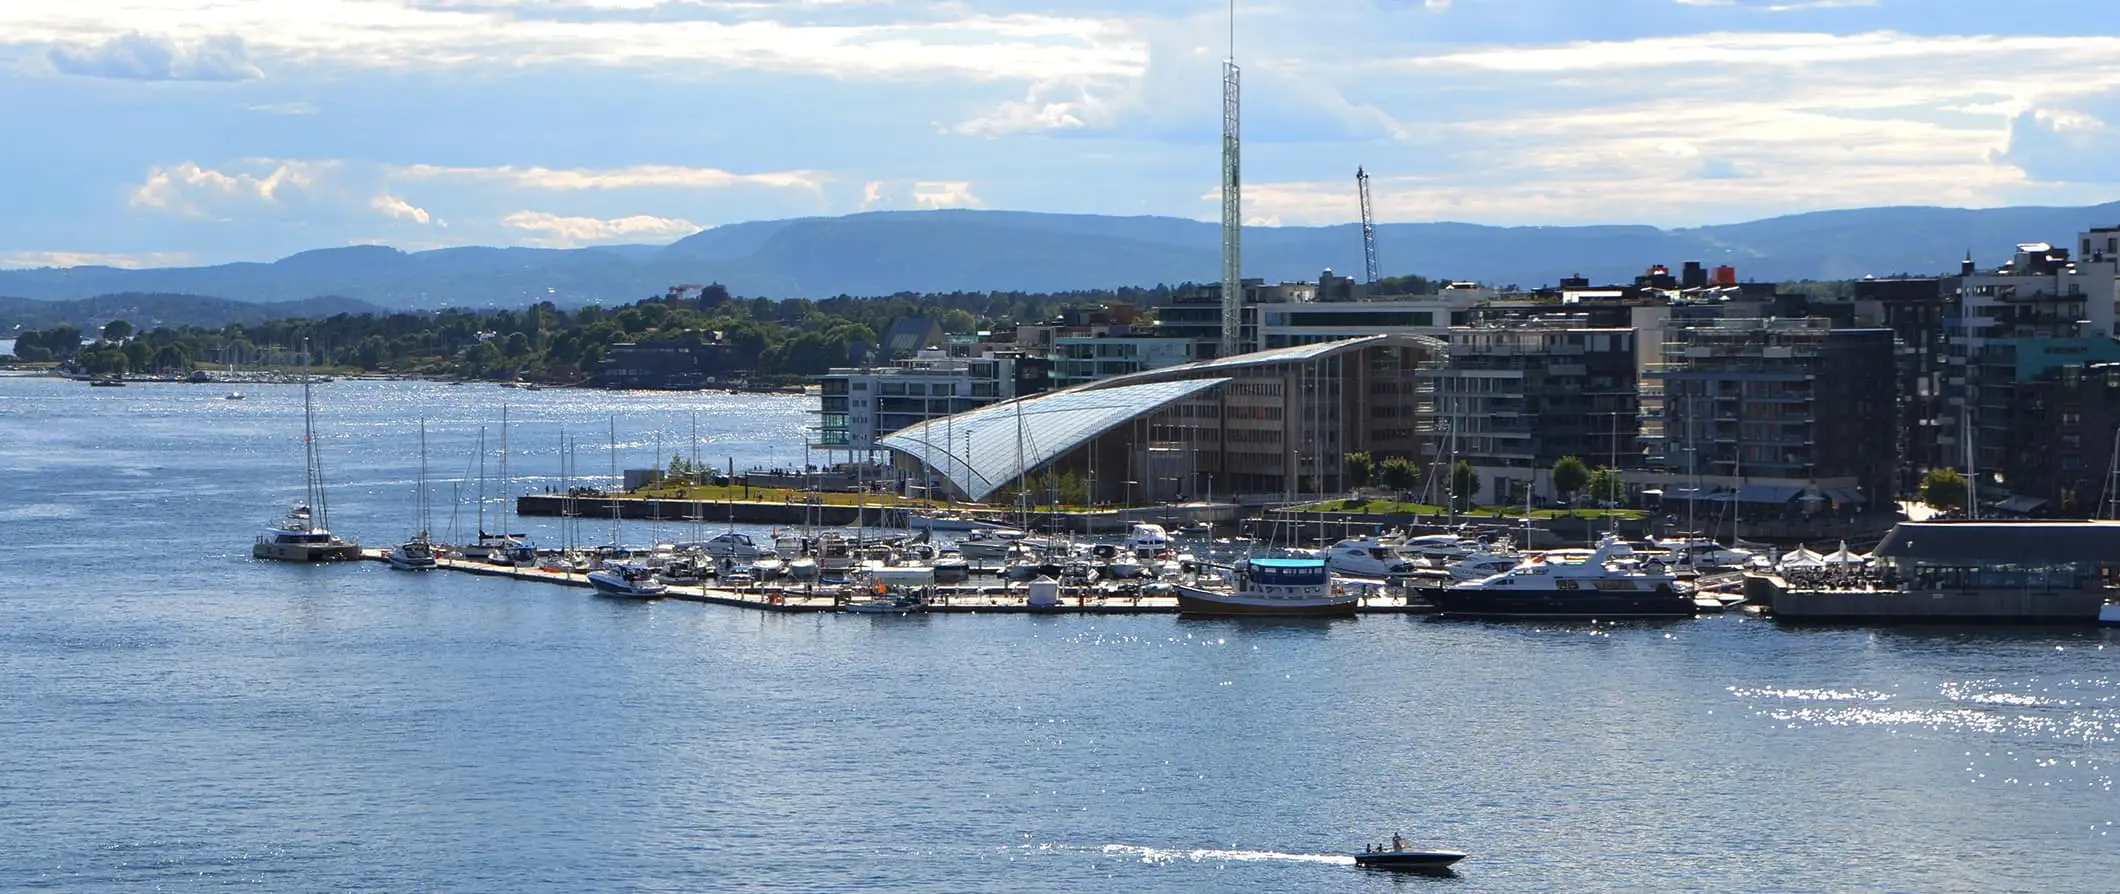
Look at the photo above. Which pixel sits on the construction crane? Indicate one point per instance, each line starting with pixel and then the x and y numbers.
pixel 1369 227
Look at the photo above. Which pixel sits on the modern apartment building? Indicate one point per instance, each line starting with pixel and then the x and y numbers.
pixel 859 405
pixel 1513 399
pixel 1771 411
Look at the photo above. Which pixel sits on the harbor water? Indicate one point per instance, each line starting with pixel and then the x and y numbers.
pixel 181 717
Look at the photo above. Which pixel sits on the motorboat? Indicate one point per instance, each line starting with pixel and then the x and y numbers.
pixel 630 581
pixel 884 604
pixel 1288 587
pixel 950 567
pixel 1146 541
pixel 988 544
pixel 835 557
pixel 1702 552
pixel 683 572
pixel 1486 561
pixel 735 545
pixel 1609 582
pixel 1366 557
pixel 1437 548
pixel 942 521
pixel 417 554
pixel 232 395
pixel 2109 615
pixel 1399 856
pixel 768 567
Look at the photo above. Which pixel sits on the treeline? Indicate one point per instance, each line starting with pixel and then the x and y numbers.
pixel 790 338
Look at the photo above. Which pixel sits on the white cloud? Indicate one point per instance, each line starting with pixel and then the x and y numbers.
pixel 927 194
pixel 20 259
pixel 562 232
pixel 1729 50
pixel 512 35
pixel 296 108
pixel 216 57
pixel 189 190
pixel 635 177
pixel 396 208
pixel 1039 111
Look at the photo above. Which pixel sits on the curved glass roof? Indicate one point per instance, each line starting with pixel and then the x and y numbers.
pixel 1292 354
pixel 984 449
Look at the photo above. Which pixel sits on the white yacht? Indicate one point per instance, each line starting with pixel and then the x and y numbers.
pixel 1607 583
pixel 1366 557
pixel 735 545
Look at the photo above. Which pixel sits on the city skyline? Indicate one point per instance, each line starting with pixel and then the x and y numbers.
pixel 188 131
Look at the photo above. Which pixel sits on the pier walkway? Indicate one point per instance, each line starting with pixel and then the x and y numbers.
pixel 970 598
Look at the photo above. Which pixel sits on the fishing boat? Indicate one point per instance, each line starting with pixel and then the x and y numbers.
pixel 1269 587
pixel 629 581
pixel 1607 583
pixel 305 534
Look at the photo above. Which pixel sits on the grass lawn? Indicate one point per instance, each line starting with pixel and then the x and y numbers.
pixel 1388 507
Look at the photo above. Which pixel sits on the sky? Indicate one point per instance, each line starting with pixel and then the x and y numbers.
pixel 167 132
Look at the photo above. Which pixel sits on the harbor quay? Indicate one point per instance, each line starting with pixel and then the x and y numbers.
pixel 970 598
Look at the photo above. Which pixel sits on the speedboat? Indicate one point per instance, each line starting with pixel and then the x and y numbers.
pixel 1607 583
pixel 233 395
pixel 1288 587
pixel 630 581
pixel 1399 857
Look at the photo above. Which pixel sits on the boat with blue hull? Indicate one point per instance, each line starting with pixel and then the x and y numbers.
pixel 1606 584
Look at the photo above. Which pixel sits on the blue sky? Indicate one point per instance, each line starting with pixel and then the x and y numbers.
pixel 197 131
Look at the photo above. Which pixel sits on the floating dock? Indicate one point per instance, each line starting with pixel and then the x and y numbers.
pixel 969 598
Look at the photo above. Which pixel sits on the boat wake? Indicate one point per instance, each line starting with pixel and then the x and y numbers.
pixel 1166 856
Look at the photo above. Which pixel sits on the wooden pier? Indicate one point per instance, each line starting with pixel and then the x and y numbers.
pixel 969 598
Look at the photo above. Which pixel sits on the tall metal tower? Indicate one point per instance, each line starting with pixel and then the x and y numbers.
pixel 1232 209
pixel 1369 228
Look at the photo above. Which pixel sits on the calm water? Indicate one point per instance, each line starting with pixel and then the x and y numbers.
pixel 176 716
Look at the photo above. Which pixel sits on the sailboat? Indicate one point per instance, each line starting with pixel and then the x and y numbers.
pixel 305 534
pixel 486 546
pixel 418 553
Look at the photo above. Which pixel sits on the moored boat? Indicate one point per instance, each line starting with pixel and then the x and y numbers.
pixel 1607 583
pixel 417 554
pixel 1269 587
pixel 305 534
pixel 631 581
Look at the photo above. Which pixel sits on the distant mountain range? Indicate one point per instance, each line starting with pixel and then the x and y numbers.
pixel 959 250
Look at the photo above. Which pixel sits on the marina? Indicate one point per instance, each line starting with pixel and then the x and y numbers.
pixel 297 709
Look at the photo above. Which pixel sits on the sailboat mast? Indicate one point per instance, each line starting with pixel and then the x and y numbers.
pixel 482 482
pixel 612 497
pixel 313 486
pixel 420 502
pixel 507 484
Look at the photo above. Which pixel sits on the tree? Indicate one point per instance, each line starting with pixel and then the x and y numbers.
pixel 1399 473
pixel 1606 486
pixel 1569 476
pixel 117 330
pixel 1944 490
pixel 1359 469
pixel 1464 481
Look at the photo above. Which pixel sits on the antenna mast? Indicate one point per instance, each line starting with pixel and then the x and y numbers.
pixel 1232 200
pixel 1369 227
